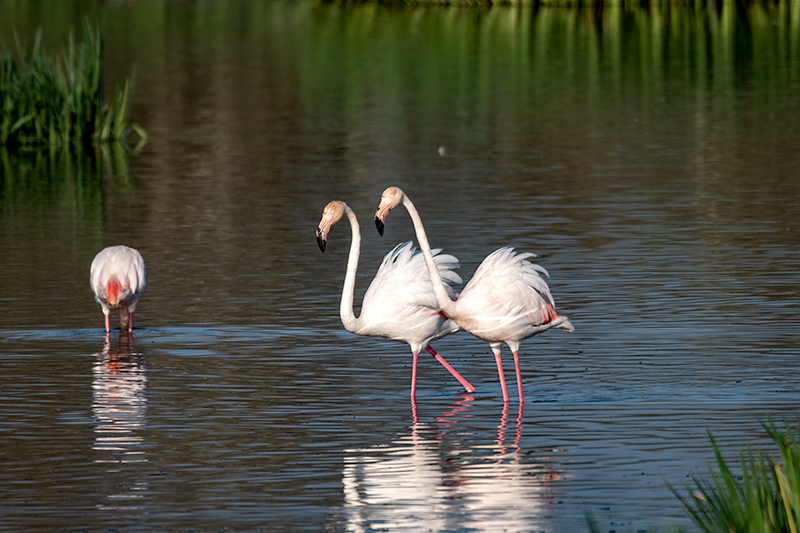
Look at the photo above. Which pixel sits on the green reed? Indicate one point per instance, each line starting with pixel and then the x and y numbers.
pixel 764 498
pixel 59 99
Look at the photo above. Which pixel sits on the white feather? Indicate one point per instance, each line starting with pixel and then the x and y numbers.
pixel 399 304
pixel 506 301
pixel 124 264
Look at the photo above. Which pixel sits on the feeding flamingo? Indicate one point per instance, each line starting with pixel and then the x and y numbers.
pixel 118 279
pixel 506 300
pixel 399 303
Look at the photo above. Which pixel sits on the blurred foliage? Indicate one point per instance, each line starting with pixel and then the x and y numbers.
pixel 600 4
pixel 605 48
pixel 451 56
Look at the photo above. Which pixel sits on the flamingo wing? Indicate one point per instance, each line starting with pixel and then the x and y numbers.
pixel 400 304
pixel 512 291
pixel 402 279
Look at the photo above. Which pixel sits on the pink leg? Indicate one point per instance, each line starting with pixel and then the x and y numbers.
pixel 414 377
pixel 107 328
pixel 464 382
pixel 502 377
pixel 519 379
pixel 130 322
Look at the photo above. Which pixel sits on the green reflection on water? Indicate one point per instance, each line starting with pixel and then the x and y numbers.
pixel 65 181
pixel 215 72
pixel 529 41
pixel 515 51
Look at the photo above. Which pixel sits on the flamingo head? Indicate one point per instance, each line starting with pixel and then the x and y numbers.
pixel 330 215
pixel 113 292
pixel 391 198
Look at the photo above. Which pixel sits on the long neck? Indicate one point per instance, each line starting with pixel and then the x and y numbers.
pixel 442 298
pixel 346 306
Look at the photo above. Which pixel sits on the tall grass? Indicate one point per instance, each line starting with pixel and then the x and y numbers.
pixel 59 99
pixel 764 498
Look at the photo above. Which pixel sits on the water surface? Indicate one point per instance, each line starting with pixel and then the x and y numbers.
pixel 648 157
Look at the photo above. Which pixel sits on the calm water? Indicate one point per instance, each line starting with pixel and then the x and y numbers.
pixel 649 157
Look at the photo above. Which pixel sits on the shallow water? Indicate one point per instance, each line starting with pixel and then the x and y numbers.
pixel 661 194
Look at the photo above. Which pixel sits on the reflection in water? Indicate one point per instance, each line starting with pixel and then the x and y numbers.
pixel 505 493
pixel 433 479
pixel 648 152
pixel 501 429
pixel 67 180
pixel 119 407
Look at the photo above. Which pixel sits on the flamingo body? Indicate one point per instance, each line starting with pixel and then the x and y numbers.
pixel 118 279
pixel 506 301
pixel 399 303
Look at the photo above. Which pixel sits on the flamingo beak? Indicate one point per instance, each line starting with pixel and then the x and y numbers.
pixel 380 214
pixel 324 227
pixel 321 240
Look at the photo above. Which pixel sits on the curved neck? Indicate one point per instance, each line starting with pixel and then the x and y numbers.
pixel 346 313
pixel 442 298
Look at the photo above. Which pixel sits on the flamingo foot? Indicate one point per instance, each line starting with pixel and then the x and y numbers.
pixel 466 384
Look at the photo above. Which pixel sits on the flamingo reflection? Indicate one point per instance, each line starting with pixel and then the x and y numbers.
pixel 119 407
pixel 442 476
pixel 507 492
pixel 501 432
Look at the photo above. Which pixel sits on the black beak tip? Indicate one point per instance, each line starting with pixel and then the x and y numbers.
pixel 321 242
pixel 379 225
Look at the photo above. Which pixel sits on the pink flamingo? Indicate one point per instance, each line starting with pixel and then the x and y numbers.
pixel 399 303
pixel 506 301
pixel 118 279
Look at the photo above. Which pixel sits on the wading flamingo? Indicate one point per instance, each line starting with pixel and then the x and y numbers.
pixel 506 300
pixel 118 279
pixel 399 303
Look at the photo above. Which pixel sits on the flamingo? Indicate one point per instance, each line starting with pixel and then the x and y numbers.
pixel 399 303
pixel 118 279
pixel 506 301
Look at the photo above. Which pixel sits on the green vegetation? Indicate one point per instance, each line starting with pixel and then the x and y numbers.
pixel 765 498
pixel 55 100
